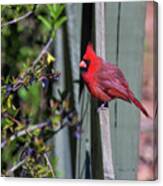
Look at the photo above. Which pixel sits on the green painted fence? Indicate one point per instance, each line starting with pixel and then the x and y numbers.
pixel 125 47
pixel 124 38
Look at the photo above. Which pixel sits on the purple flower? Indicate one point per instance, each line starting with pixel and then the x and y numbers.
pixel 45 82
pixel 8 90
pixel 30 151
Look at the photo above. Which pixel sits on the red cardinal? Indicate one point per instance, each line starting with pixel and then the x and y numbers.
pixel 105 81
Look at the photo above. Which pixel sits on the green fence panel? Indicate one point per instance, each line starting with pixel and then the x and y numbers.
pixel 74 12
pixel 83 144
pixel 125 47
pixel 61 140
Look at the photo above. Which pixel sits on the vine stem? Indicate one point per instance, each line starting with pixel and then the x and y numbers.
pixel 13 21
pixel 19 164
pixel 23 132
pixel 20 82
pixel 43 51
pixel 16 167
pixel 34 127
pixel 49 164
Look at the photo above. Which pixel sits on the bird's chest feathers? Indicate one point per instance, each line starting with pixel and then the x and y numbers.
pixel 90 80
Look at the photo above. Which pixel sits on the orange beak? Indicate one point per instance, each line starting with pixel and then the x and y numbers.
pixel 83 64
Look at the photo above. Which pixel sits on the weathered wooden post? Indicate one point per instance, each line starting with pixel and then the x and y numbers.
pixel 103 112
pixel 61 140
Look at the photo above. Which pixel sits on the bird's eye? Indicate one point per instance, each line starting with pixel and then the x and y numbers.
pixel 87 61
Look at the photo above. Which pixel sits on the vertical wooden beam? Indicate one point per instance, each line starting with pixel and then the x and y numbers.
pixel 111 22
pixel 73 12
pixel 61 140
pixel 108 169
pixel 83 144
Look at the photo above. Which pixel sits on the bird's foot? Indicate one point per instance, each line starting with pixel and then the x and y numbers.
pixel 102 106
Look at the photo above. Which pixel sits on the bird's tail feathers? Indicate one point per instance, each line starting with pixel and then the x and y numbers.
pixel 138 104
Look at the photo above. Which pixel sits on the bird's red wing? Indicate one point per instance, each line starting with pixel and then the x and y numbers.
pixel 99 93
pixel 115 90
pixel 117 93
pixel 116 73
pixel 112 81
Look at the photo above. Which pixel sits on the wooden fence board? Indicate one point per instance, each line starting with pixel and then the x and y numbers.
pixel 61 140
pixel 73 12
pixel 129 57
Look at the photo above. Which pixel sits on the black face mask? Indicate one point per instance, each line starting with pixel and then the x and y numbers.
pixel 85 69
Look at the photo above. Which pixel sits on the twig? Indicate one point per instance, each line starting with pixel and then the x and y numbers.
pixel 49 164
pixel 17 19
pixel 32 128
pixel 13 21
pixel 16 167
pixel 20 82
pixel 11 118
pixel 23 132
pixel 43 51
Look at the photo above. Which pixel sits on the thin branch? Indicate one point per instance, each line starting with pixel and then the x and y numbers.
pixel 20 82
pixel 15 167
pixel 17 19
pixel 13 21
pixel 23 132
pixel 32 128
pixel 49 164
pixel 7 115
pixel 43 51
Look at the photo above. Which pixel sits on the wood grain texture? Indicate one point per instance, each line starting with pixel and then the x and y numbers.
pixel 104 117
pixel 126 50
pixel 73 12
pixel 61 140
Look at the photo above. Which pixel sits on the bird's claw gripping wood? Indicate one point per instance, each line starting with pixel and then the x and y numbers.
pixel 103 106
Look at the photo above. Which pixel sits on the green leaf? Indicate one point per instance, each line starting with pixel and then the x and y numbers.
pixel 59 23
pixel 59 11
pixel 55 7
pixel 23 94
pixel 36 132
pixel 56 119
pixel 50 8
pixel 9 101
pixel 7 123
pixel 45 22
